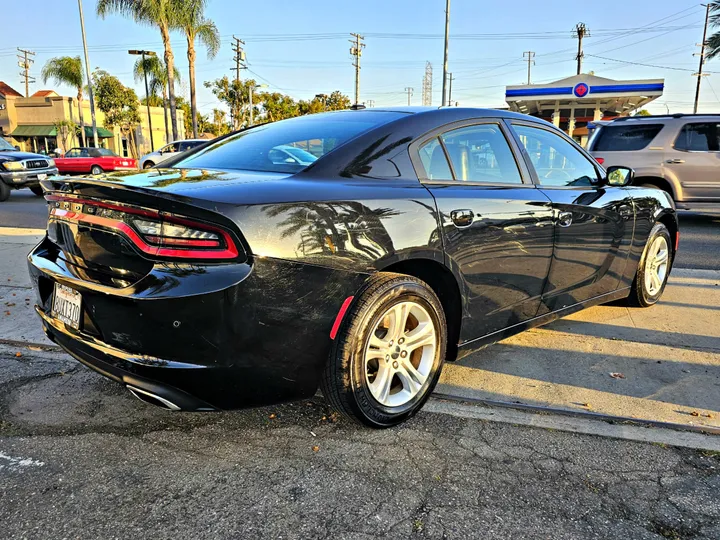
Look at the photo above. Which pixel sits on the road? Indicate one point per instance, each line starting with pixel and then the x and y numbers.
pixel 699 233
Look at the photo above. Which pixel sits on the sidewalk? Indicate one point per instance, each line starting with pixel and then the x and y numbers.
pixel 668 356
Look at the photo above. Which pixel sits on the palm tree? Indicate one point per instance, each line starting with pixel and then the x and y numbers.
pixel 196 26
pixel 164 14
pixel 67 70
pixel 157 81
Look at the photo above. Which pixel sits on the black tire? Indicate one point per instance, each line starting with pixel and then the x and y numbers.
pixel 345 383
pixel 148 165
pixel 4 191
pixel 96 169
pixel 639 294
pixel 37 190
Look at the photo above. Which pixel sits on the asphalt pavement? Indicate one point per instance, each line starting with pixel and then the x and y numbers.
pixel 699 232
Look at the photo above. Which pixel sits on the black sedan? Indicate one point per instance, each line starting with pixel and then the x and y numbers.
pixel 228 279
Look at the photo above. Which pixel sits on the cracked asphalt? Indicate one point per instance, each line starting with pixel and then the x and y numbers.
pixel 80 458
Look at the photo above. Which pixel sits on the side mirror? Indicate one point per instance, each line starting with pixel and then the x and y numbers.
pixel 619 176
pixel 17 147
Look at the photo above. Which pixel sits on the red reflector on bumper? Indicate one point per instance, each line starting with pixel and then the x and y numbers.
pixel 340 315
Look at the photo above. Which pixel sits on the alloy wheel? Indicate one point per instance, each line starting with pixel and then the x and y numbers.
pixel 399 354
pixel 656 265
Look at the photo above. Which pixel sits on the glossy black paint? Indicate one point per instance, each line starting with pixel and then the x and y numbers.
pixel 257 330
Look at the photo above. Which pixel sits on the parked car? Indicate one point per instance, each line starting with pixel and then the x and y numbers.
pixel 228 280
pixel 22 170
pixel 678 153
pixel 94 161
pixel 291 154
pixel 169 150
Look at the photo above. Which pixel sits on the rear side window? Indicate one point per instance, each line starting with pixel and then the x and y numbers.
pixel 698 138
pixel 625 138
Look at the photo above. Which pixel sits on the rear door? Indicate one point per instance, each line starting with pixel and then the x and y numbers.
pixel 497 227
pixel 694 159
pixel 593 224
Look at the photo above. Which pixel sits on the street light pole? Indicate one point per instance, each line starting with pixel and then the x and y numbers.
pixel 252 89
pixel 147 91
pixel 87 71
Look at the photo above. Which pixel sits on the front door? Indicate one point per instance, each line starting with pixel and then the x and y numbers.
pixel 497 227
pixel 694 159
pixel 593 223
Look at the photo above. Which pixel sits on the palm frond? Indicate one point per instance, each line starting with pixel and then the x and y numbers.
pixel 64 70
pixel 209 36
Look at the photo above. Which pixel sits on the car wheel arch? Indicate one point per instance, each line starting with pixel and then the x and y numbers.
pixel 445 285
pixel 659 182
pixel 669 219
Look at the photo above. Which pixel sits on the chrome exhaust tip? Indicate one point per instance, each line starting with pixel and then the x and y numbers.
pixel 152 399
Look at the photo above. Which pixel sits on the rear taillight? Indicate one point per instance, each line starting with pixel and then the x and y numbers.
pixel 600 160
pixel 158 234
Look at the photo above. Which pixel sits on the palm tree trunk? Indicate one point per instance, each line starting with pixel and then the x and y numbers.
pixel 165 106
pixel 82 120
pixel 170 64
pixel 191 63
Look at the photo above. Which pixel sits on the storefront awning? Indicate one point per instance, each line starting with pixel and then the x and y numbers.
pixel 34 131
pixel 102 132
pixel 50 131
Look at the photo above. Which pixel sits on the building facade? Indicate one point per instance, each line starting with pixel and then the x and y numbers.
pixel 573 102
pixel 32 123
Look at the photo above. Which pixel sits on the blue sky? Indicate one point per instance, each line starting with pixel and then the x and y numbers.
pixel 283 49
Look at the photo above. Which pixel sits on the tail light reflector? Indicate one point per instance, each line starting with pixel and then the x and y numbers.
pixel 155 233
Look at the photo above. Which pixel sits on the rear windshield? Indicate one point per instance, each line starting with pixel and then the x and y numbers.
pixel 624 138
pixel 269 147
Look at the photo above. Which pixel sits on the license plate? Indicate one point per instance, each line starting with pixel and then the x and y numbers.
pixel 66 305
pixel 42 176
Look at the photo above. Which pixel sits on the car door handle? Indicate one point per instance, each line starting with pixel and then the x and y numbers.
pixel 565 219
pixel 675 161
pixel 462 218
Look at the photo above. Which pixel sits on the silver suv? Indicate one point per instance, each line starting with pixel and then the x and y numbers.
pixel 677 153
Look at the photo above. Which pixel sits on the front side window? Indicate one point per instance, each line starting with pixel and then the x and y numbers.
pixel 557 162
pixel 258 148
pixel 625 138
pixel 698 138
pixel 172 147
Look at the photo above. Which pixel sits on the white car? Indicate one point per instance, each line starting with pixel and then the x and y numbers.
pixel 168 151
pixel 291 154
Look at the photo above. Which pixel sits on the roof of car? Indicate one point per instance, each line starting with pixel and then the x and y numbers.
pixel 452 111
pixel 656 117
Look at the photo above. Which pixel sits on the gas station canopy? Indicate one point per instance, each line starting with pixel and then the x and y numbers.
pixel 573 102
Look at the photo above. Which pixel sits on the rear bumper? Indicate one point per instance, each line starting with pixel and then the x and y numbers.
pixel 203 337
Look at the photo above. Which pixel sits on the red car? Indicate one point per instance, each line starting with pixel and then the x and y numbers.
pixel 93 161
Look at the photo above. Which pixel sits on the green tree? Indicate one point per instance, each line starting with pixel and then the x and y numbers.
pixel 219 124
pixel 67 70
pixel 66 130
pixel 235 95
pixel 197 27
pixel 163 14
pixel 157 82
pixel 642 112
pixel 713 42
pixel 119 104
pixel 323 102
pixel 277 106
pixel 184 106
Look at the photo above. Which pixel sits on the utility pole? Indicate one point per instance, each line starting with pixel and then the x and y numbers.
pixel 445 58
pixel 239 59
pixel 24 61
pixel 581 31
pixel 409 93
pixel 356 51
pixel 371 103
pixel 147 90
pixel 89 78
pixel 700 73
pixel 450 80
pixel 530 60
